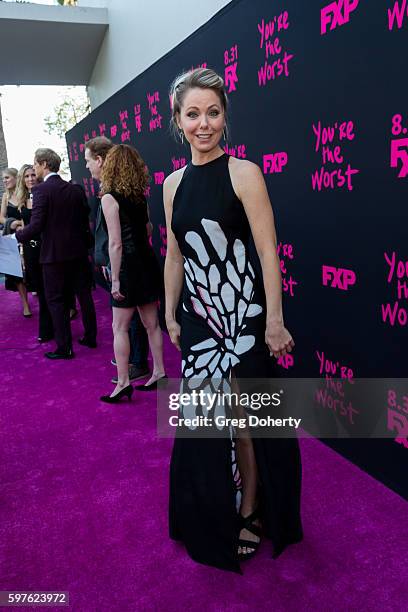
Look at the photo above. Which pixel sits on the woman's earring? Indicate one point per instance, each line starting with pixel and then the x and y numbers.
pixel 224 135
pixel 181 133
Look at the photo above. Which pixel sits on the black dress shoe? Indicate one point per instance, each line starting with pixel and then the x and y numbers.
pixel 125 392
pixel 152 385
pixel 59 355
pixel 85 342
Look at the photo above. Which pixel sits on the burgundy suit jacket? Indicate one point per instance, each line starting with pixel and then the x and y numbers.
pixel 60 215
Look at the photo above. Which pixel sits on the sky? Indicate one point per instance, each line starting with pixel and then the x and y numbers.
pixel 24 109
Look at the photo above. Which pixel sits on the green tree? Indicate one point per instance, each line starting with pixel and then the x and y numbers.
pixel 73 107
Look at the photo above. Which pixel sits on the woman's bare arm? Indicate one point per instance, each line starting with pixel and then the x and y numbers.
pixel 110 208
pixel 174 264
pixel 249 185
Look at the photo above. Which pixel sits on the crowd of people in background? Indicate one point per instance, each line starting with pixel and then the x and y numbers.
pixel 57 249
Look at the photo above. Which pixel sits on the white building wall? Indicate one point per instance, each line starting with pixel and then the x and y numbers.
pixel 140 32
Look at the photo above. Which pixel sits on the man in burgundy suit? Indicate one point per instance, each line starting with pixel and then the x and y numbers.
pixel 60 214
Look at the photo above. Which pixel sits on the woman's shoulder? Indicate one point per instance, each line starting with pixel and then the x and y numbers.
pixel 112 195
pixel 170 186
pixel 172 181
pixel 245 176
pixel 243 168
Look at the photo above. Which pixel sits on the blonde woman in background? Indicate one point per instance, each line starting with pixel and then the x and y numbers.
pixel 26 180
pixel 10 208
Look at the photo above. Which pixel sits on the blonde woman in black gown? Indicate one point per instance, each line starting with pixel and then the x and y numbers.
pixel 224 491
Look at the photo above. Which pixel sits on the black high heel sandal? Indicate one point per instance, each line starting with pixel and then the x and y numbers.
pixel 247 523
pixel 125 392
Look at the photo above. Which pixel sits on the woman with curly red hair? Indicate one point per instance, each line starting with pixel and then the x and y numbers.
pixel 134 268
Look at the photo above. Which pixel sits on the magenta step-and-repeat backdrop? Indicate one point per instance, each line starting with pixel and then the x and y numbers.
pixel 319 100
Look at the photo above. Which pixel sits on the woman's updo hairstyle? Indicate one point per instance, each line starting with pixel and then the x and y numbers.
pixel 203 78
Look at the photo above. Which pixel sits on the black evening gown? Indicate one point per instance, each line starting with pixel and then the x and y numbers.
pixel 139 276
pixel 223 332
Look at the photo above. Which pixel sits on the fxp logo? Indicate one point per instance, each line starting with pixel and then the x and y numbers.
pixel 336 14
pixel 338 278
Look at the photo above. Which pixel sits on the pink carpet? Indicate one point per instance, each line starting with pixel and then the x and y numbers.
pixel 84 501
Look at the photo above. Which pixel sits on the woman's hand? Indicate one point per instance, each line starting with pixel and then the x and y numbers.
pixel 278 339
pixel 115 291
pixel 16 224
pixel 174 332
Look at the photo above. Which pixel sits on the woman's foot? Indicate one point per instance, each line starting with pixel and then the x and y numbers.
pixel 155 377
pixel 249 535
pixel 119 392
pixel 119 388
pixel 151 385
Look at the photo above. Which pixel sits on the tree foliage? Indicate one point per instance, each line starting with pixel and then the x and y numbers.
pixel 72 108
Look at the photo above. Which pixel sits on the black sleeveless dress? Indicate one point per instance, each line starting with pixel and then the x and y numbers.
pixel 139 276
pixel 10 281
pixel 222 331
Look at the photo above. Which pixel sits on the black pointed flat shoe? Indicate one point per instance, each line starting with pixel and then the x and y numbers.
pixel 150 387
pixel 125 392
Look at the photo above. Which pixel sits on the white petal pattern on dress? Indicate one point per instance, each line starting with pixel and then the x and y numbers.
pixel 240 255
pixel 215 278
pixel 228 296
pixel 209 343
pixel 195 240
pixel 217 237
pixel 223 305
pixel 253 310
